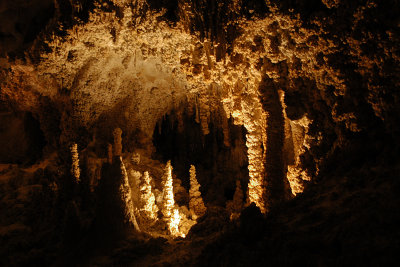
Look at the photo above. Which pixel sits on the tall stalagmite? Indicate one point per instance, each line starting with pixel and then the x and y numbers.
pixel 148 207
pixel 126 195
pixel 171 214
pixel 168 201
pixel 196 204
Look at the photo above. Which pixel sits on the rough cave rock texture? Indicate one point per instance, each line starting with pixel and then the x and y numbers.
pixel 301 88
pixel 309 81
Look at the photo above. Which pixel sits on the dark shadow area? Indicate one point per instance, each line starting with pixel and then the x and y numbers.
pixel 21 139
pixel 218 166
pixel 275 170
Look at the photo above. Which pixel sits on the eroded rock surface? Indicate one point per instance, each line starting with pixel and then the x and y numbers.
pixel 295 92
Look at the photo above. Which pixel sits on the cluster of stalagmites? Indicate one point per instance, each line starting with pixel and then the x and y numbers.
pixel 145 208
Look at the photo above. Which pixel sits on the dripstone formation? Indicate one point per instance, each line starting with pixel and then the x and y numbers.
pixel 199 132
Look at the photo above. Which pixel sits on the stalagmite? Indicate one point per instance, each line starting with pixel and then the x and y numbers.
pixel 196 204
pixel 117 141
pixel 126 195
pixel 168 192
pixel 174 223
pixel 171 214
pixel 75 162
pixel 148 207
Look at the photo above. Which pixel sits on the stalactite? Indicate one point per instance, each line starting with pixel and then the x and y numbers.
pixel 197 110
pixel 225 128
pixel 75 171
pixel 204 112
pixel 196 204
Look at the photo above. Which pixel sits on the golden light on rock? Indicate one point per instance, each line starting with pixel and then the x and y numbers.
pixel 168 201
pixel 198 132
pixel 75 162
pixel 173 224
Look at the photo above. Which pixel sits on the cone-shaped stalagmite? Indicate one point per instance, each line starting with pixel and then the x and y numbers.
pixel 171 214
pixel 168 192
pixel 148 207
pixel 126 195
pixel 196 204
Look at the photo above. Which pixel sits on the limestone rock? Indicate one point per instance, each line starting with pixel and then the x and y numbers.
pixel 196 204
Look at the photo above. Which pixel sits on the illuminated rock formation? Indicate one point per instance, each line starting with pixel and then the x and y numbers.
pixel 148 207
pixel 174 222
pixel 170 213
pixel 75 171
pixel 168 201
pixel 196 204
pixel 135 179
pixel 126 197
pixel 314 84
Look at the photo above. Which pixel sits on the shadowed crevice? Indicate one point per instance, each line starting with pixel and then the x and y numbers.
pixel 275 169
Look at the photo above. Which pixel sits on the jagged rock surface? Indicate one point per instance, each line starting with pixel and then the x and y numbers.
pixel 314 83
pixel 196 203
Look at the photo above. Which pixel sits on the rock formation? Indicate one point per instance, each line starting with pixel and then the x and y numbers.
pixel 298 100
pixel 148 207
pixel 196 204
pixel 168 201
pixel 75 171
pixel 126 197
pixel 170 213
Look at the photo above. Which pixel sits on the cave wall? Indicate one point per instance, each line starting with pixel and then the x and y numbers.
pixel 313 86
pixel 127 63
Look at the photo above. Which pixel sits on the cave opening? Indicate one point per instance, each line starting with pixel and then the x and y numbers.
pixel 219 160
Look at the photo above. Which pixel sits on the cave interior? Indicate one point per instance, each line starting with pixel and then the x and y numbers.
pixel 199 133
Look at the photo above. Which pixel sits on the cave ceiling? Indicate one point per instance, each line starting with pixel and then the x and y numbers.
pixel 279 90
